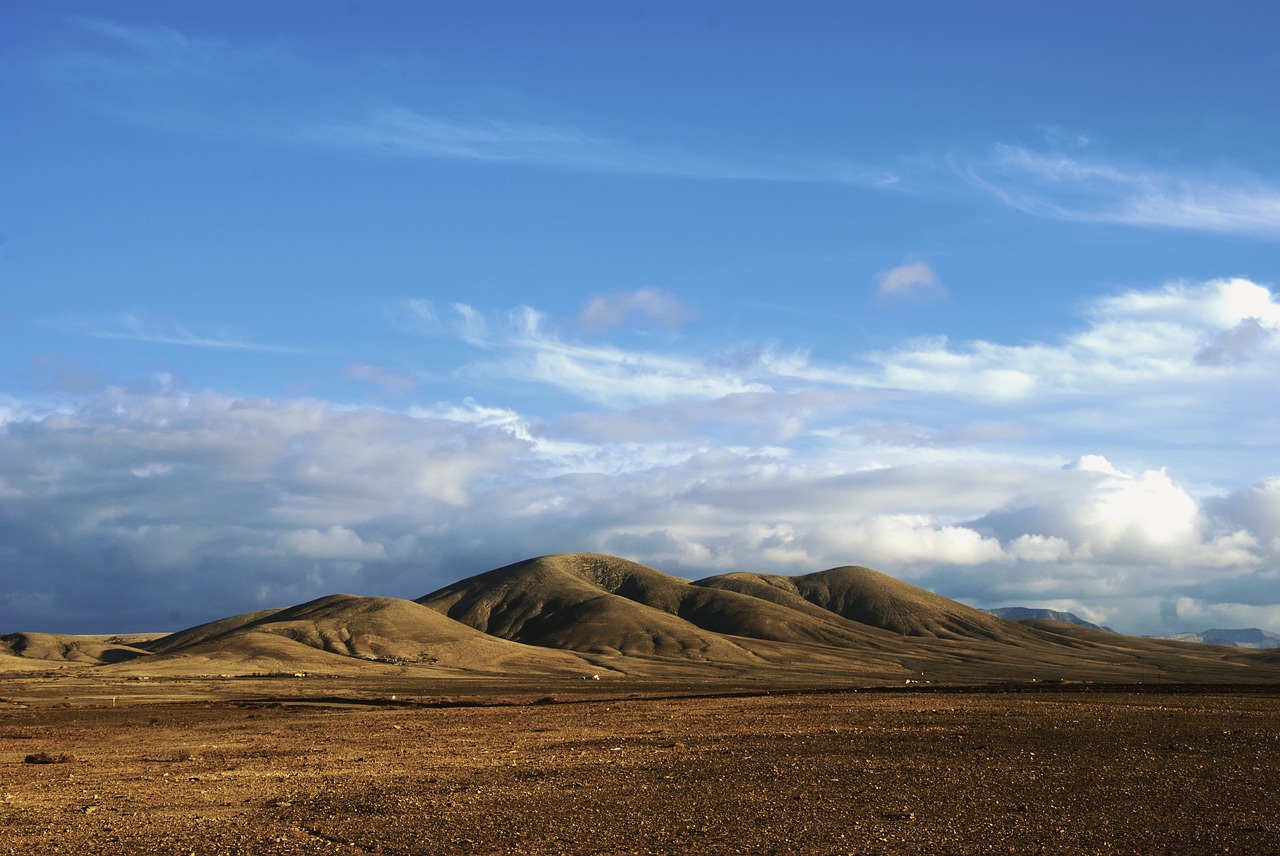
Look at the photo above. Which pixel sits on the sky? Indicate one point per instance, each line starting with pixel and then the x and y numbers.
pixel 302 298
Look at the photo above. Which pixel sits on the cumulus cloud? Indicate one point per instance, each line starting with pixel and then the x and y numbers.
pixel 189 496
pixel 134 505
pixel 1184 334
pixel 336 542
pixel 911 281
pixel 648 306
pixel 1237 344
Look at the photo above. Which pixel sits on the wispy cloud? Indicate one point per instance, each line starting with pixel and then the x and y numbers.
pixel 159 75
pixel 1069 187
pixel 406 132
pixel 603 374
pixel 1189 336
pixel 152 49
pixel 160 330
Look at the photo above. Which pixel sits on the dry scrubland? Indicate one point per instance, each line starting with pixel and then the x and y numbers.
pixel 304 766
pixel 840 711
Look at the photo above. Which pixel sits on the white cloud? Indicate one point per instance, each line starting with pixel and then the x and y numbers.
pixel 900 541
pixel 699 463
pixel 1135 344
pixel 1039 548
pixel 1095 512
pixel 1206 338
pixel 1062 186
pixel 599 373
pixel 336 542
pixel 915 282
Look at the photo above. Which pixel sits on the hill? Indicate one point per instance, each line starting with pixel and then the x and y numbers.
pixel 340 634
pixel 579 614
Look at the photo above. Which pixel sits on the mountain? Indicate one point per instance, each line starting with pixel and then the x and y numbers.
pixel 1024 613
pixel 1250 637
pixel 580 614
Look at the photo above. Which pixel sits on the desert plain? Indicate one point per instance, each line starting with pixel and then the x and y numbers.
pixel 295 765
pixel 585 704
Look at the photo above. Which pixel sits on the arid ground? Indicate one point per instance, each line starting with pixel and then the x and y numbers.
pixel 294 765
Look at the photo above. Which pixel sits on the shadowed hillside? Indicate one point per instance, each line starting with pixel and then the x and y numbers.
pixel 70 649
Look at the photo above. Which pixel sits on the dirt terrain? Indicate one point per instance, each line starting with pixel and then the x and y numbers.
pixel 285 765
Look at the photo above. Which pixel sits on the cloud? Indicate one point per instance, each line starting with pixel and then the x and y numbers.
pixel 336 542
pixel 1237 344
pixel 155 75
pixel 599 373
pixel 1180 335
pixel 914 282
pixel 131 505
pixel 413 315
pixel 1062 186
pixel 409 133
pixel 653 307
pixel 388 380
pixel 1098 513
pixel 158 75
pixel 139 503
pixel 138 326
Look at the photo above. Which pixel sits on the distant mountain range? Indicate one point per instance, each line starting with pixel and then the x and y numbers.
pixel 1250 637
pixel 592 615
pixel 1024 613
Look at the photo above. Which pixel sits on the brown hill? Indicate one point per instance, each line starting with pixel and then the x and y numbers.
pixel 582 613
pixel 61 648
pixel 568 601
pixel 876 600
pixel 342 632
pixel 605 605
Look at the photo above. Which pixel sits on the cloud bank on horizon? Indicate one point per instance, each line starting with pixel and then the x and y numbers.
pixel 284 317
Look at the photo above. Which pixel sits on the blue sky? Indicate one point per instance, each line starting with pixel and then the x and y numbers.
pixel 301 298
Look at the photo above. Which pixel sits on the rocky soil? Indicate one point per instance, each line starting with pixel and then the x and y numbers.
pixel 589 770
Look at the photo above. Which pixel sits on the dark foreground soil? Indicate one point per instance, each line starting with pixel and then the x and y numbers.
pixel 1151 769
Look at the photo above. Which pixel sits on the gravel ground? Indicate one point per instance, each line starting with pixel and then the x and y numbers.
pixel 1127 770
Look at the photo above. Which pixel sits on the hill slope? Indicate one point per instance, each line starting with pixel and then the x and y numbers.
pixel 875 600
pixel 341 632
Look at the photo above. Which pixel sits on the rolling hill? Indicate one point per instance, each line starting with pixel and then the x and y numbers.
pixel 581 613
